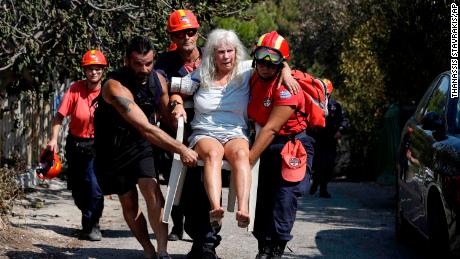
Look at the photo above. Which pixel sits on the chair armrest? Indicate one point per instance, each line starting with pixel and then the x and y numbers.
pixel 180 130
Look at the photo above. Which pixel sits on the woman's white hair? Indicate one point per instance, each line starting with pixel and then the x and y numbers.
pixel 216 38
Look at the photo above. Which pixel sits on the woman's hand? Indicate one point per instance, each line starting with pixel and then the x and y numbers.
pixel 179 111
pixel 177 104
pixel 287 79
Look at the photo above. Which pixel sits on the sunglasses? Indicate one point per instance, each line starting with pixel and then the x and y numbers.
pixel 267 54
pixel 93 68
pixel 181 34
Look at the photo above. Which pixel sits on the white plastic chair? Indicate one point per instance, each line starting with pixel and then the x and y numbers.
pixel 177 177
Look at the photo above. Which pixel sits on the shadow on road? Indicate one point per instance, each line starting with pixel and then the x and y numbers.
pixel 360 224
pixel 56 252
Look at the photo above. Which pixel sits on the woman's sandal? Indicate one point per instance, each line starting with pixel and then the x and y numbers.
pixel 215 217
pixel 243 219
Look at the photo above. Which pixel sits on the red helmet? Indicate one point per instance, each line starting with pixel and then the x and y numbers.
pixel 93 57
pixel 182 20
pixel 274 41
pixel 329 86
pixel 50 165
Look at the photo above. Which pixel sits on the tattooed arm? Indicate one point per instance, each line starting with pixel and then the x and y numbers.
pixel 122 100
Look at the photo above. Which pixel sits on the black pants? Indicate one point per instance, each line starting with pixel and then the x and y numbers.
pixel 195 203
pixel 276 198
pixel 82 180
pixel 324 162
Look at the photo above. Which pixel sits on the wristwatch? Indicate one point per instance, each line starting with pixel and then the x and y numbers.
pixel 173 104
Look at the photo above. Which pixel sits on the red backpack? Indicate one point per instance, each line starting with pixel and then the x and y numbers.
pixel 314 91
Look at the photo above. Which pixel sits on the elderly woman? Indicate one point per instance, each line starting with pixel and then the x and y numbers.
pixel 220 121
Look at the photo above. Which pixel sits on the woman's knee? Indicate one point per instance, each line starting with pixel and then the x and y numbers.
pixel 209 149
pixel 240 155
pixel 213 155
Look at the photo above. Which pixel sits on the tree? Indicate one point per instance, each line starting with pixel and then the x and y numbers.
pixel 42 41
pixel 376 53
pixel 261 18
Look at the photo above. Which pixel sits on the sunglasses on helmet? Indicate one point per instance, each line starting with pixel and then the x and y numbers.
pixel 267 54
pixel 181 34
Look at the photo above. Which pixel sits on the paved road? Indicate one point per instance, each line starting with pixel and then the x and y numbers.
pixel 356 223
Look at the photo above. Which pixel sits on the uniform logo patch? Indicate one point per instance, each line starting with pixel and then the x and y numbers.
pixel 285 94
pixel 184 19
pixel 267 102
pixel 294 162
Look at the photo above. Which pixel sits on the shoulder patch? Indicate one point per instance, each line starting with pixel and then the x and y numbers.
pixel 285 94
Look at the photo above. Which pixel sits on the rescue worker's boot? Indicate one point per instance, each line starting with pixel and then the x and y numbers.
pixel 323 193
pixel 265 249
pixel 278 249
pixel 203 251
pixel 85 228
pixel 91 230
pixel 95 233
pixel 313 186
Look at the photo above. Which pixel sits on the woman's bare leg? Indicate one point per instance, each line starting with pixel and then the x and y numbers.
pixel 237 154
pixel 211 152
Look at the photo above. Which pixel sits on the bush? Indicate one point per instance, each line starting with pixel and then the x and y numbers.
pixel 9 187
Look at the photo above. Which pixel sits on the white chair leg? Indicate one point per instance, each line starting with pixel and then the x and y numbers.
pixel 254 185
pixel 174 180
pixel 180 185
pixel 231 198
pixel 253 195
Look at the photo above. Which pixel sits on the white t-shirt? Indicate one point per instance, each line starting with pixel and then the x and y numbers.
pixel 221 111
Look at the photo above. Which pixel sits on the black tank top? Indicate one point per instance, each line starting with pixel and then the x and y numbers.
pixel 116 142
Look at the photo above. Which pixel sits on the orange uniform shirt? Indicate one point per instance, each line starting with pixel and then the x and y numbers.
pixel 76 103
pixel 265 95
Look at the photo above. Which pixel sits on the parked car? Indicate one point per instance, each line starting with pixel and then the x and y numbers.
pixel 428 169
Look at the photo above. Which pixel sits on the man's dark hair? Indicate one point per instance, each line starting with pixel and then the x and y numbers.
pixel 139 44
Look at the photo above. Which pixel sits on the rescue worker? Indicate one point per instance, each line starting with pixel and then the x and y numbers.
pixel 125 129
pixel 275 109
pixel 180 60
pixel 77 103
pixel 326 144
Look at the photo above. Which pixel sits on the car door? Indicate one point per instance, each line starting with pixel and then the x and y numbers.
pixel 420 150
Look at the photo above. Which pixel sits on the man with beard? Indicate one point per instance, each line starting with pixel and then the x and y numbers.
pixel 125 129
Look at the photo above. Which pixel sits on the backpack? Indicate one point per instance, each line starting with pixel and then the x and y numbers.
pixel 314 91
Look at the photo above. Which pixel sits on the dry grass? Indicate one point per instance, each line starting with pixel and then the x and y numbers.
pixel 9 187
